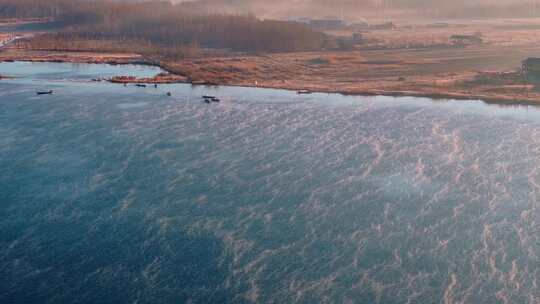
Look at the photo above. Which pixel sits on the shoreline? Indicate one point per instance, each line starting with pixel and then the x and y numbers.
pixel 397 94
pixel 173 77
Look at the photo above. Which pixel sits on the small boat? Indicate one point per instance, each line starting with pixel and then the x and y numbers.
pixel 155 85
pixel 301 92
pixel 169 94
pixel 45 92
pixel 140 85
pixel 209 99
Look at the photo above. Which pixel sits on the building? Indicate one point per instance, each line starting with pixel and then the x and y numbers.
pixel 359 26
pixel 326 24
pixel 463 40
pixel 357 38
pixel 383 26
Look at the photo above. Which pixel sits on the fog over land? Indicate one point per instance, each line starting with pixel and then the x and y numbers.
pixel 354 9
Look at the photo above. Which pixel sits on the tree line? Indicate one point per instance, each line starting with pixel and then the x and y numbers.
pixel 163 24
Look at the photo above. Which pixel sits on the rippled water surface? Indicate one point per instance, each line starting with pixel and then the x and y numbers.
pixel 112 194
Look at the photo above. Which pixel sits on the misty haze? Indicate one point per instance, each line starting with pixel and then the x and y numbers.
pixel 254 151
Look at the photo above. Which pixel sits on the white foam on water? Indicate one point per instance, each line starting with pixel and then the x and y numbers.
pixel 323 198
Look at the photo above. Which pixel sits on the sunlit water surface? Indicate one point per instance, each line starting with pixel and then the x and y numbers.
pixel 112 194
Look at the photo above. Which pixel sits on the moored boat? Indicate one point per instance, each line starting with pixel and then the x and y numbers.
pixel 209 99
pixel 50 92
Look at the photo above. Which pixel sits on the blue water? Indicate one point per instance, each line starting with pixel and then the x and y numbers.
pixel 112 194
pixel 30 72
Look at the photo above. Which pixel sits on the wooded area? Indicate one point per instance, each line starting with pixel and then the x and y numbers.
pixel 162 24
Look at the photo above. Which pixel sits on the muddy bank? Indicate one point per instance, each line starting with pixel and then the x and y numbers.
pixel 490 99
pixel 11 55
pixel 161 78
pixel 97 58
pixel 344 73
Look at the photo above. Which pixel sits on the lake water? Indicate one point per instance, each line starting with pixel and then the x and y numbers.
pixel 113 194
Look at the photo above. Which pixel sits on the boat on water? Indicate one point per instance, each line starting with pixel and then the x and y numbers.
pixel 169 94
pixel 303 92
pixel 140 85
pixel 209 99
pixel 50 92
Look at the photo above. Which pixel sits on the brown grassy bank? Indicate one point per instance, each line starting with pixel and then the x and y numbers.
pixel 486 71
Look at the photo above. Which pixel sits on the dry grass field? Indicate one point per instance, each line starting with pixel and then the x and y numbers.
pixel 414 59
pixel 411 60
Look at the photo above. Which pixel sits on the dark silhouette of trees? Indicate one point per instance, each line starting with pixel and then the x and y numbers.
pixel 162 24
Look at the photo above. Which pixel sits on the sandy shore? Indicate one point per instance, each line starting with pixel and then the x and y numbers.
pixel 350 73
